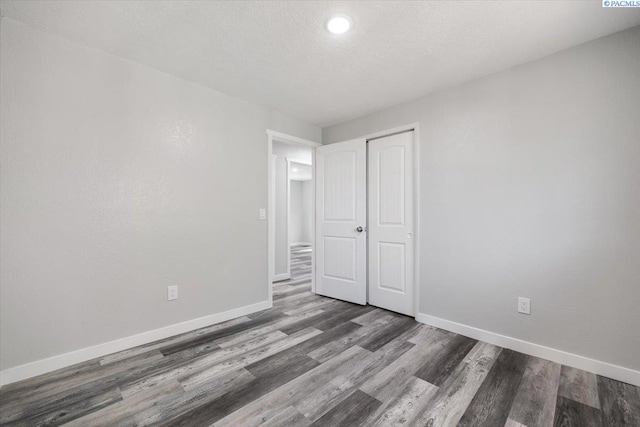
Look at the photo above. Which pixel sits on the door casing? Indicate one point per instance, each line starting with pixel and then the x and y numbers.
pixel 271 135
pixel 416 201
pixel 271 225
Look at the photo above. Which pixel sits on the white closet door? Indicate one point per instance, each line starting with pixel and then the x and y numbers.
pixel 391 223
pixel 341 243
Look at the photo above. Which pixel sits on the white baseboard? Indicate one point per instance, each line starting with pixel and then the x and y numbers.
pixel 280 277
pixel 591 365
pixel 63 360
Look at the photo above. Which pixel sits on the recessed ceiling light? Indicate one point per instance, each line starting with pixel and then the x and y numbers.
pixel 339 24
pixel 295 169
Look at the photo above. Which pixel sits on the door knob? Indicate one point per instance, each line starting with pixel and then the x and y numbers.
pixel 359 229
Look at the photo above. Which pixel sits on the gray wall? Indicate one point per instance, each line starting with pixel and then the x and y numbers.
pixel 117 181
pixel 530 186
pixel 281 242
pixel 282 151
pixel 307 212
pixel 301 215
pixel 295 211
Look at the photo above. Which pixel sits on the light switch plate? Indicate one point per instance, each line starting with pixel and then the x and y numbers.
pixel 263 213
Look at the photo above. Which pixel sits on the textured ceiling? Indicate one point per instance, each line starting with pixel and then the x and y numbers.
pixel 278 53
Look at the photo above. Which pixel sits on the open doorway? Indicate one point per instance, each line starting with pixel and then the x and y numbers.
pixel 300 218
pixel 292 168
pixel 291 214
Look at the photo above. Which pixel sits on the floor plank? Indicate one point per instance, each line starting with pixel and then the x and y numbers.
pixel 440 365
pixel 386 384
pixel 535 402
pixel 511 423
pixel 620 402
pixel 377 339
pixel 570 413
pixel 492 403
pixel 124 412
pixel 271 404
pixel 75 410
pixel 457 391
pixel 336 346
pixel 406 404
pixel 579 385
pixel 288 417
pixel 328 395
pixel 194 398
pixel 229 402
pixel 353 410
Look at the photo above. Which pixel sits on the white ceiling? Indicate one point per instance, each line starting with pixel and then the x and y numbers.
pixel 278 54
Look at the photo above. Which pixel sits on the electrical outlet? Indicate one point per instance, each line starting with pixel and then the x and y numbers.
pixel 524 305
pixel 172 292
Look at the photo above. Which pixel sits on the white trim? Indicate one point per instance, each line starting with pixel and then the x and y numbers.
pixel 63 360
pixel 559 356
pixel 313 221
pixel 388 132
pixel 300 243
pixel 287 221
pixel 280 277
pixel 290 139
pixel 271 225
pixel 416 212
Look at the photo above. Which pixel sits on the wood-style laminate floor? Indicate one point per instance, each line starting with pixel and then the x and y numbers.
pixel 312 360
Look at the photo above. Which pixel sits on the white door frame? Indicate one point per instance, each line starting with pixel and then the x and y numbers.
pixel 281 137
pixel 287 274
pixel 271 224
pixel 416 200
